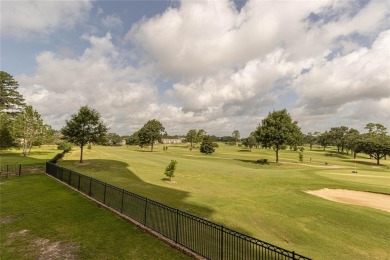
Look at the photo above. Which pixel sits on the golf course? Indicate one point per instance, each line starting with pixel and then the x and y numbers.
pixel 271 202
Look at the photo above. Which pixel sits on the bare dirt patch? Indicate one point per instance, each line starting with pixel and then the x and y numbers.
pixel 360 198
pixel 40 248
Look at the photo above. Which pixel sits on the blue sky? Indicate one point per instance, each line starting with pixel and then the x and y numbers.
pixel 217 65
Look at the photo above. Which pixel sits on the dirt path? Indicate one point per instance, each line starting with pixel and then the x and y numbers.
pixel 361 198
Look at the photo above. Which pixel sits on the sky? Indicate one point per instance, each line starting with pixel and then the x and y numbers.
pixel 214 65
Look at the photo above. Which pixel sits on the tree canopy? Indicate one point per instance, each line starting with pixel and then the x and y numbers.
pixel 375 143
pixel 10 98
pixel 151 132
pixel 207 145
pixel 277 130
pixel 84 127
pixel 192 137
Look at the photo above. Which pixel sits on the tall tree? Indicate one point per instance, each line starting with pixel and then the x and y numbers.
pixel 375 143
pixel 311 139
pixel 236 136
pixel 201 134
pixel 324 139
pixel 276 130
pixel 28 127
pixel 151 132
pixel 191 137
pixel 338 137
pixel 352 139
pixel 11 100
pixel 84 127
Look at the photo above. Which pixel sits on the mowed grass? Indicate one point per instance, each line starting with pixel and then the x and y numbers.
pixel 265 201
pixel 43 219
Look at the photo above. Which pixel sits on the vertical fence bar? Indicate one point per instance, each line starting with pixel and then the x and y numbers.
pixel 104 197
pixel 20 169
pixel 146 205
pixel 177 225
pixel 70 177
pixel 90 187
pixel 123 194
pixel 78 187
pixel 221 242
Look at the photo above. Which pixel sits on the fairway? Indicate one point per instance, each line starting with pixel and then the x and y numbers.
pixel 265 201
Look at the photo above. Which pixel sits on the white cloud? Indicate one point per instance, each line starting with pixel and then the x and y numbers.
pixel 359 75
pixel 23 19
pixel 112 22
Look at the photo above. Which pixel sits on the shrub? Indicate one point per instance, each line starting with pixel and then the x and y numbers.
pixel 215 145
pixel 262 161
pixel 64 146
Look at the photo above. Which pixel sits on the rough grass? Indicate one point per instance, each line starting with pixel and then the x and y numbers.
pixel 265 201
pixel 43 219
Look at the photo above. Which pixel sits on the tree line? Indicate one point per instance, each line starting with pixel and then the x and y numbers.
pixel 22 125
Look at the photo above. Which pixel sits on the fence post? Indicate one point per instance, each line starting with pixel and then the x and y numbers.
pixel 78 187
pixel 222 242
pixel 90 186
pixel 293 255
pixel 146 205
pixel 123 194
pixel 177 225
pixel 70 177
pixel 104 197
pixel 20 169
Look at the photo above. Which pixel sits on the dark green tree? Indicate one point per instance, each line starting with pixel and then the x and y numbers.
pixel 206 146
pixel 200 135
pixel 324 139
pixel 311 139
pixel 191 137
pixel 150 133
pixel 338 135
pixel 375 143
pixel 352 139
pixel 133 139
pixel 11 100
pixel 83 128
pixel 277 130
pixel 6 138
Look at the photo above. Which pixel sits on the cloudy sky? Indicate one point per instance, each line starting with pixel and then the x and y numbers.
pixel 218 65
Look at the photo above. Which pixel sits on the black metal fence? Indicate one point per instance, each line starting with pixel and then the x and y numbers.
pixel 203 237
pixel 8 170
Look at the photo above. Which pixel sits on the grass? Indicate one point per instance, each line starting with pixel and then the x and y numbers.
pixel 43 219
pixel 265 201
pixel 37 155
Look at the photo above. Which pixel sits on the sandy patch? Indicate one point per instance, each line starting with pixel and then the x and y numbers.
pixel 360 198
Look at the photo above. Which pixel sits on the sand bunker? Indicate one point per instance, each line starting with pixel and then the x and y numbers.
pixel 361 198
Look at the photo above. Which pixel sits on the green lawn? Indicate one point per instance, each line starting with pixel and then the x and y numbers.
pixel 265 201
pixel 43 219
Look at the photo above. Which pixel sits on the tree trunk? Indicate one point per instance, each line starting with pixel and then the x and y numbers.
pixel 377 160
pixel 81 153
pixel 354 155
pixel 151 148
pixel 277 153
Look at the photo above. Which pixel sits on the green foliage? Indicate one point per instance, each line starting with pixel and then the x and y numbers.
pixel 207 145
pixel 29 128
pixel 64 146
pixel 300 155
pixel 278 129
pixel 112 139
pixel 324 139
pixel 236 136
pixel 215 144
pixel 11 100
pixel 375 143
pixel 338 137
pixel 6 138
pixel 250 142
pixel 84 127
pixel 170 169
pixel 150 133
pixel 192 137
pixel 133 139
pixel 262 161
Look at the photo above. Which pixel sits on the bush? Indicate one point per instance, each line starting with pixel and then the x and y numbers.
pixel 215 145
pixel 262 161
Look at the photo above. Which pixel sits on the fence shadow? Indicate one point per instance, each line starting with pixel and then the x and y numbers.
pixel 117 173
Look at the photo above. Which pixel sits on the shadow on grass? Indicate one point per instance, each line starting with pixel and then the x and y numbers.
pixel 244 151
pixel 117 173
pixel 338 155
pixel 373 163
pixel 18 158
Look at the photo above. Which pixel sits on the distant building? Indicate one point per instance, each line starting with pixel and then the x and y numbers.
pixel 172 140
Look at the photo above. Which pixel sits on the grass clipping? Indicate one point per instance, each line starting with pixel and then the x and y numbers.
pixel 360 198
